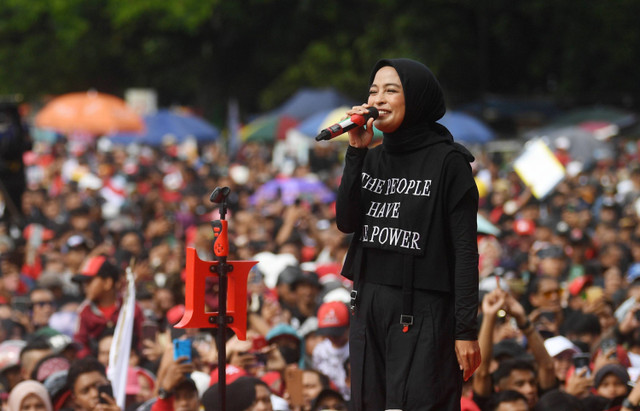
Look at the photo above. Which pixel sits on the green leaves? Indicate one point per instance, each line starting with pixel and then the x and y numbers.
pixel 202 52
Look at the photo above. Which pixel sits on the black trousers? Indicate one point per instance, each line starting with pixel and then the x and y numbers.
pixel 412 371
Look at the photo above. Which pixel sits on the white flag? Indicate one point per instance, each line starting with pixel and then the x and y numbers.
pixel 233 125
pixel 121 344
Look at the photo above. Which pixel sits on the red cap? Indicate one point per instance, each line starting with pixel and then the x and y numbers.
pixel 273 379
pixel 146 374
pixel 232 373
pixel 133 386
pixel 175 314
pixel 90 268
pixel 523 226
pixel 333 318
pixel 46 234
pixel 328 268
pixel 579 283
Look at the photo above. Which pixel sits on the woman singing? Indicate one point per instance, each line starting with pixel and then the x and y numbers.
pixel 412 204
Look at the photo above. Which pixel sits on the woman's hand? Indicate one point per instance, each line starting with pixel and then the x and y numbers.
pixel 468 353
pixel 361 137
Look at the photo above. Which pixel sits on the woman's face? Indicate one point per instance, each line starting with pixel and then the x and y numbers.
pixel 32 403
pixel 611 387
pixel 386 94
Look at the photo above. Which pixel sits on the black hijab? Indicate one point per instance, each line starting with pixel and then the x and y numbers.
pixel 424 105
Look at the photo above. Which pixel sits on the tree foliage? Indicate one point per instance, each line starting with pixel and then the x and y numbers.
pixel 203 52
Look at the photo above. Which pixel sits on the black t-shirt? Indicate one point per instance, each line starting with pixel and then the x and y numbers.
pixel 443 224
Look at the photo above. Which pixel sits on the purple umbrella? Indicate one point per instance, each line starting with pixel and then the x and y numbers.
pixel 290 189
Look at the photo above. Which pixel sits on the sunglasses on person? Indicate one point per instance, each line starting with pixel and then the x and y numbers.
pixel 552 293
pixel 42 303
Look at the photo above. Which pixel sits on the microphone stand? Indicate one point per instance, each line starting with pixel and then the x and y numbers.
pixel 221 251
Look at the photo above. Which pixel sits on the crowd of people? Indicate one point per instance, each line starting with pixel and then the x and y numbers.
pixel 558 322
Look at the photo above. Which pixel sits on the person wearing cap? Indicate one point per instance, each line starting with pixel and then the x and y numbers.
pixel 524 227
pixel 48 366
pixel 146 383
pixel 562 350
pixel 285 338
pixel 100 280
pixel 331 353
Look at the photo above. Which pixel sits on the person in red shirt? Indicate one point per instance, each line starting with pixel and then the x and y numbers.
pixel 100 280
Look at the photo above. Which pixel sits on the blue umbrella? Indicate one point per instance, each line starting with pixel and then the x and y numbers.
pixel 467 128
pixel 307 101
pixel 167 123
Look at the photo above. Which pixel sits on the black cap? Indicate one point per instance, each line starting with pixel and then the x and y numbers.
pixel 307 277
pixel 289 275
pixel 552 251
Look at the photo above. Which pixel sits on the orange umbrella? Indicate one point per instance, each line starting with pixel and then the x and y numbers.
pixel 91 112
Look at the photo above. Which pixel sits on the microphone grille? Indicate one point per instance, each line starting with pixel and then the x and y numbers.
pixel 373 113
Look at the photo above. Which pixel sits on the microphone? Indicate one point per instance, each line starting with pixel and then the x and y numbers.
pixel 219 194
pixel 345 125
